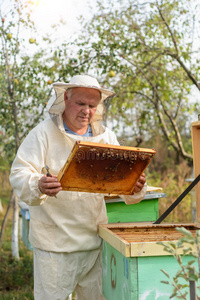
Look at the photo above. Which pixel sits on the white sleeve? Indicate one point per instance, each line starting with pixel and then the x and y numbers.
pixel 137 197
pixel 26 170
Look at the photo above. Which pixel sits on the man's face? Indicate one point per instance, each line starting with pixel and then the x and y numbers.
pixel 80 108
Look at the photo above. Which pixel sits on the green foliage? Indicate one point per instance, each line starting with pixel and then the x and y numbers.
pixel 22 79
pixel 28 67
pixel 148 49
pixel 148 46
pixel 189 245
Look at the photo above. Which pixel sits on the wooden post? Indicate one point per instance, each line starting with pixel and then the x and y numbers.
pixel 193 295
pixel 196 162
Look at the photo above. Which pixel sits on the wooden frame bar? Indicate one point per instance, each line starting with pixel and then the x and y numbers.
pixel 196 163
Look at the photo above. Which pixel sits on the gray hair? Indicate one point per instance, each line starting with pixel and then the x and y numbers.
pixel 69 93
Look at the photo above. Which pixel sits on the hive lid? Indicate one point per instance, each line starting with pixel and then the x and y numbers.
pixel 103 168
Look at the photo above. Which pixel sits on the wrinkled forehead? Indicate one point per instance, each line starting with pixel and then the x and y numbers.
pixel 84 92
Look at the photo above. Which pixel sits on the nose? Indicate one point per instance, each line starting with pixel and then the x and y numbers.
pixel 86 109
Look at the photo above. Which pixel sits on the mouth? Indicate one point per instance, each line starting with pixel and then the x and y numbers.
pixel 84 118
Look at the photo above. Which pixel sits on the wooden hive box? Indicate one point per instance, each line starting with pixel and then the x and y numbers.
pixel 133 239
pixel 146 210
pixel 103 168
pixel 25 224
pixel 132 260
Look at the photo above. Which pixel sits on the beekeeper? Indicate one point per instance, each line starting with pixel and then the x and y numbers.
pixel 63 229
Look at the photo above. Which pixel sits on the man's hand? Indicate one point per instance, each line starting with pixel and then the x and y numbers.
pixel 49 185
pixel 139 184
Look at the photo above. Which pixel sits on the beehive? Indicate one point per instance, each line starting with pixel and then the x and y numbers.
pixel 132 260
pixel 140 239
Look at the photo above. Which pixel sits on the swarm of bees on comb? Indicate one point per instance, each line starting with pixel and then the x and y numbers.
pixel 108 161
pixel 104 169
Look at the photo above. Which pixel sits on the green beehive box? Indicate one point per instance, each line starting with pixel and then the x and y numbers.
pixel 132 260
pixel 25 224
pixel 146 210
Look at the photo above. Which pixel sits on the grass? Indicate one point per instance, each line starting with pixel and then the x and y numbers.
pixel 16 281
pixel 173 183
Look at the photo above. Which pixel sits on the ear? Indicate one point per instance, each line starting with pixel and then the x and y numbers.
pixel 65 96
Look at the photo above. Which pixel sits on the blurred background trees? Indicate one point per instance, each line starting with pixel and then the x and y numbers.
pixel 148 52
pixel 29 64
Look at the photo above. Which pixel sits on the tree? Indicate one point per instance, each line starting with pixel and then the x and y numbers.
pixel 29 64
pixel 21 103
pixel 146 52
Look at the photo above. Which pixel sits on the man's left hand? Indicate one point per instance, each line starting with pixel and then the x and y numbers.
pixel 139 184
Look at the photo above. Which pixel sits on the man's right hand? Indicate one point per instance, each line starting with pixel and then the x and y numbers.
pixel 49 185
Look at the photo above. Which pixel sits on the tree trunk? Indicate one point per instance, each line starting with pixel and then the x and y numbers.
pixel 15 226
pixel 1 207
pixel 6 217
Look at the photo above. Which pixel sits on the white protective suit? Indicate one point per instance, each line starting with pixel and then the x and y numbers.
pixel 69 223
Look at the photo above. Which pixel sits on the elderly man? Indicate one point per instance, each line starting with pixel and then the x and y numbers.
pixel 63 229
